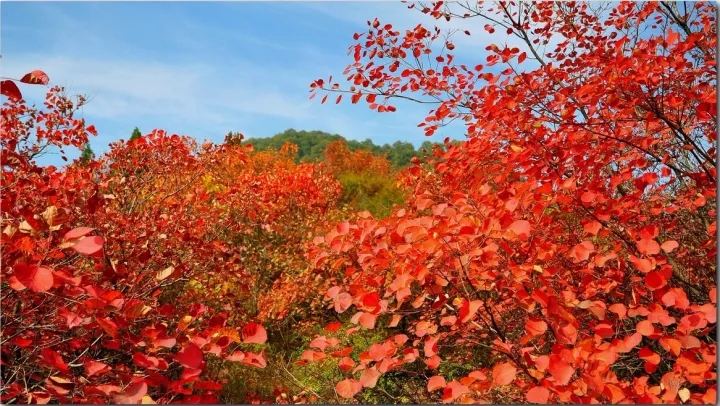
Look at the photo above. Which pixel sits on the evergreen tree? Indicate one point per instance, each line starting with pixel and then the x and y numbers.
pixel 87 154
pixel 135 134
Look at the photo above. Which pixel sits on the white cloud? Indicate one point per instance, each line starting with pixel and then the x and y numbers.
pixel 230 91
pixel 192 91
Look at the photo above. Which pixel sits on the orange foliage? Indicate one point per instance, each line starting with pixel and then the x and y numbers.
pixel 573 232
pixel 340 159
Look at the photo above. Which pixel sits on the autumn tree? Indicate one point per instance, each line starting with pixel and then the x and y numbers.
pixel 572 234
pixel 88 252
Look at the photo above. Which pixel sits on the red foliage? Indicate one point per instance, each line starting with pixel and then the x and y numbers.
pixel 94 257
pixel 579 212
pixel 340 159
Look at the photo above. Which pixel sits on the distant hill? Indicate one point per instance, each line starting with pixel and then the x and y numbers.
pixel 312 144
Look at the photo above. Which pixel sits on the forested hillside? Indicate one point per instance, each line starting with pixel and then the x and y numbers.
pixel 312 145
pixel 563 252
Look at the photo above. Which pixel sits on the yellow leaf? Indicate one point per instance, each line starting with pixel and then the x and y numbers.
pixel 684 394
pixel 25 227
pixel 584 304
pixel 184 322
pixel 147 400
pixel 59 380
pixel 49 214
pixel 160 275
pixel 9 231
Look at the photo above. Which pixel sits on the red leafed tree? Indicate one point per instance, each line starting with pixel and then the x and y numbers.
pixel 340 159
pixel 91 255
pixel 573 233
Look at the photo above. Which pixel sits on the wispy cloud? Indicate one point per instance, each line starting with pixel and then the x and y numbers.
pixel 201 69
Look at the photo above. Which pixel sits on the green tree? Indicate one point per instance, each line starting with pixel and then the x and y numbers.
pixel 312 144
pixel 135 134
pixel 87 154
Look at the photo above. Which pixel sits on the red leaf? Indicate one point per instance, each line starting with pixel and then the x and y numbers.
pixel 54 359
pixel 631 342
pixel 367 320
pixel 348 388
pixel 342 353
pixel 645 328
pixel 371 300
pixel 255 360
pixel 538 395
pixel 641 264
pixel 77 233
pixel 669 246
pixel 312 356
pixel 88 245
pixel 377 352
pixel 619 309
pixel 561 370
pixel 648 246
pixel 521 228
pixel 333 292
pixel 36 77
pixel 535 326
pixel 10 89
pixel 503 373
pixel 108 325
pixel 35 278
pixel 655 280
pixel 95 367
pixel 254 333
pixel 435 383
pixel 672 36
pixel 320 343
pixel 369 377
pixel 332 327
pixel 453 390
pixel 592 227
pixel 433 362
pixel 710 396
pixel 346 364
pixel 342 302
pixel 190 356
pixel 468 310
pixel 581 252
pixel 133 394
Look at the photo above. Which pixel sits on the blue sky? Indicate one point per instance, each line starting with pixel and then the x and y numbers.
pixel 205 68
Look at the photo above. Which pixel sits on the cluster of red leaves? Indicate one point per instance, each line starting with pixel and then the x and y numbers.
pixel 574 231
pixel 87 253
pixel 273 206
pixel 107 264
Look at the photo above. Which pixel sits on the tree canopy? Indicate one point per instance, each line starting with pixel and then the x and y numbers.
pixel 312 145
